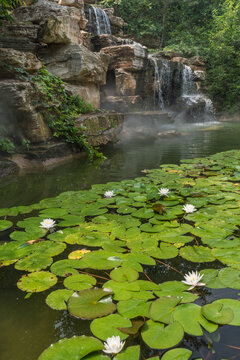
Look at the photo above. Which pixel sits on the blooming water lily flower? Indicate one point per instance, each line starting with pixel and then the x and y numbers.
pixel 163 191
pixel 47 224
pixel 193 279
pixel 109 194
pixel 189 208
pixel 113 345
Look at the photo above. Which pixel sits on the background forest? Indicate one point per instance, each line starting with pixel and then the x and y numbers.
pixel 209 28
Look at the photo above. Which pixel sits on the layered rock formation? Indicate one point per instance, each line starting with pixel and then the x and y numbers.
pixel 86 48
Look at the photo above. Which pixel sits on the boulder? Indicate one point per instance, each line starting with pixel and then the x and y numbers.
pixel 200 75
pixel 19 36
pixel 74 3
pixel 125 83
pixel 7 168
pixel 131 57
pixel 74 64
pixel 19 113
pixel 40 12
pixel 10 59
pixel 121 103
pixel 89 92
pixel 197 60
pixel 181 60
pixel 101 128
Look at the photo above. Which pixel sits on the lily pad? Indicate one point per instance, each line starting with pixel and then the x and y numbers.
pixel 91 303
pixel 5 225
pixel 74 348
pixel 159 336
pixel 133 307
pixel 132 352
pixel 162 309
pixel 189 315
pixel 177 354
pixel 123 274
pixel 108 326
pixel 234 305
pixel 37 281
pixel 197 253
pixel 57 299
pixel 34 262
pixel 79 282
pixel 217 313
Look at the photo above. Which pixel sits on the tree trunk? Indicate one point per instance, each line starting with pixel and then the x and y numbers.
pixel 164 16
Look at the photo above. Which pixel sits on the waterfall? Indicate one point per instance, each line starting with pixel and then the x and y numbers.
pixel 162 82
pixel 196 105
pixel 99 17
pixel 188 85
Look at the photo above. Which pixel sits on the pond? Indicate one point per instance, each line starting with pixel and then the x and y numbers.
pixel 28 325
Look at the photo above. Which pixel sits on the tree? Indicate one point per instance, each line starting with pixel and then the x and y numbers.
pixel 6 6
pixel 224 55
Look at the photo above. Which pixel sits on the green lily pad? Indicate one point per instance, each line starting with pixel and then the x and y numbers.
pixel 217 313
pixel 177 354
pixel 133 308
pixel 34 262
pixel 91 303
pixel 29 234
pixel 123 274
pixel 227 256
pixel 189 315
pixel 74 348
pixel 132 352
pixel 37 281
pixel 159 336
pixel 14 250
pixel 197 253
pixel 57 299
pixel 234 305
pixel 100 260
pixel 230 277
pixel 108 326
pixel 162 309
pixel 5 225
pixel 53 213
pixel 79 282
pixel 65 267
pixel 70 220
pixel 176 289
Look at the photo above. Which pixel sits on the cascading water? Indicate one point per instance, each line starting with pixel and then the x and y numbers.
pixel 162 82
pixel 100 19
pixel 196 104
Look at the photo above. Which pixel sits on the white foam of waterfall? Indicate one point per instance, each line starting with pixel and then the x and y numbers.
pixel 193 97
pixel 101 19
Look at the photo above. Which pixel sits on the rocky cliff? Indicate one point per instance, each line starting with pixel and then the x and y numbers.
pixel 86 48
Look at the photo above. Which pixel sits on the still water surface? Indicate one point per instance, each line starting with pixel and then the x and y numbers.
pixel 28 326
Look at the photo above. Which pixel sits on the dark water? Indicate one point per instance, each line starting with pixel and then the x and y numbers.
pixel 125 160
pixel 28 326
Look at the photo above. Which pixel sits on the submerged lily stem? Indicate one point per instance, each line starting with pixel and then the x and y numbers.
pixel 233 347
pixel 161 262
pixel 98 276
pixel 147 276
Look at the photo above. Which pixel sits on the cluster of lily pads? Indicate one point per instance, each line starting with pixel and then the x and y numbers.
pixel 107 238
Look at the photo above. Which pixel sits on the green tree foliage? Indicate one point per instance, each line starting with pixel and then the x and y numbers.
pixel 224 55
pixel 6 6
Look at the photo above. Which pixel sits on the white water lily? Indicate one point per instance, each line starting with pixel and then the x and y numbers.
pixel 163 191
pixel 113 345
pixel 189 208
pixel 48 224
pixel 193 279
pixel 109 194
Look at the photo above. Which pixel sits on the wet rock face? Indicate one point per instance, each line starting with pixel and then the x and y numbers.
pixel 19 114
pixel 10 58
pixel 74 64
pixel 130 57
pixel 101 128
pixel 8 168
